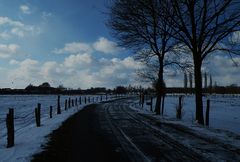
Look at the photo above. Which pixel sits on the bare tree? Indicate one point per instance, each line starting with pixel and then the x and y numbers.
pixel 204 27
pixel 138 24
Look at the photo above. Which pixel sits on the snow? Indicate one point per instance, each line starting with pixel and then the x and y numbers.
pixel 28 137
pixel 224 110
pixel 224 120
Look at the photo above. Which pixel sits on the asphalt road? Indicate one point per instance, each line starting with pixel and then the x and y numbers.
pixel 81 139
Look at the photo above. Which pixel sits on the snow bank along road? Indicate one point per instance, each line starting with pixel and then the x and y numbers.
pixel 113 132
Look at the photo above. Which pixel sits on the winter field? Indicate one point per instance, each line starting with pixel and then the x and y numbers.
pixel 224 117
pixel 224 111
pixel 28 138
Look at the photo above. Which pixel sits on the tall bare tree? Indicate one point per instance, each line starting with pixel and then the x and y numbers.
pixel 204 27
pixel 138 24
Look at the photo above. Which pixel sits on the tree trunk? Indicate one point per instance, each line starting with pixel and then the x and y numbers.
pixel 198 91
pixel 163 100
pixel 159 88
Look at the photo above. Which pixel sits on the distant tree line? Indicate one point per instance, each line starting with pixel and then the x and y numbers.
pixel 46 88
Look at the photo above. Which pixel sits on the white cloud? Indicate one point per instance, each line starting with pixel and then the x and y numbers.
pixel 4 35
pixel 26 72
pixel 18 32
pixel 223 69
pixel 8 50
pixel 46 15
pixel 14 62
pixel 235 37
pixel 16 28
pixel 25 9
pixel 78 60
pixel 74 48
pixel 102 45
pixel 75 71
pixel 106 46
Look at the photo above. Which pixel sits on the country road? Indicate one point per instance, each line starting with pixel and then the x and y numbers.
pixel 111 131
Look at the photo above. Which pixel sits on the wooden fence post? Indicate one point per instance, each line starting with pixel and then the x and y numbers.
pixel 50 112
pixel 38 115
pixel 80 100
pixel 89 100
pixel 179 108
pixel 66 104
pixel 207 112
pixel 106 97
pixel 85 99
pixel 58 106
pixel 72 102
pixel 142 99
pixel 101 98
pixel 69 102
pixel 76 103
pixel 10 128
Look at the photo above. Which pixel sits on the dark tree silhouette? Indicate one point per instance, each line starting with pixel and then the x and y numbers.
pixel 204 27
pixel 138 24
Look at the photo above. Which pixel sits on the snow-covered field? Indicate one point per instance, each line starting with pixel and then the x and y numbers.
pixel 28 138
pixel 224 111
pixel 224 115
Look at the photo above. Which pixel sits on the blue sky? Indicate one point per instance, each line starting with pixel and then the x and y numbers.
pixel 67 42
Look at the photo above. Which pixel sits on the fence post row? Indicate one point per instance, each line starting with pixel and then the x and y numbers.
pixel 10 128
pixel 10 115
pixel 58 106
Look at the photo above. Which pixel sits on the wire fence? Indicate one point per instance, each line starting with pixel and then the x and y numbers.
pixel 24 118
